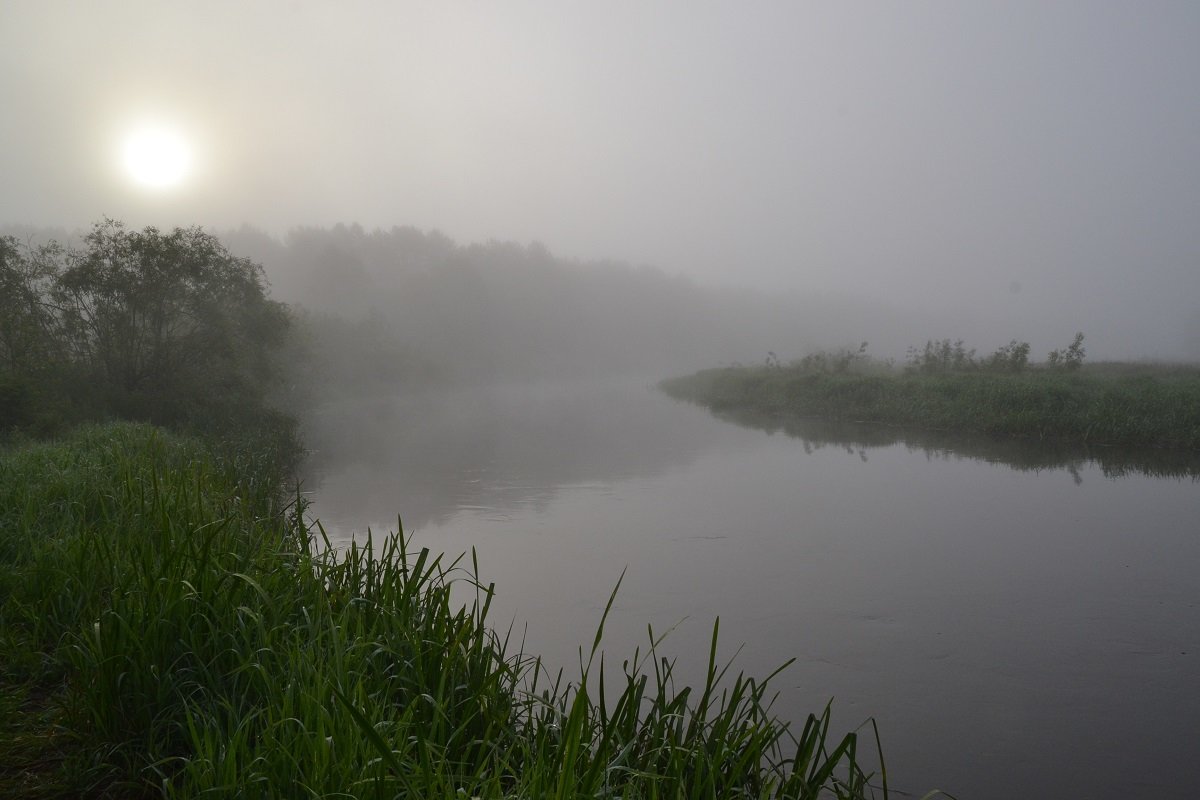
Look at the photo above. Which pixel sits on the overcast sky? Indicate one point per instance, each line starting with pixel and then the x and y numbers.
pixel 1014 160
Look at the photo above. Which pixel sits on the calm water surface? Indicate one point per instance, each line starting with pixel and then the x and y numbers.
pixel 1021 621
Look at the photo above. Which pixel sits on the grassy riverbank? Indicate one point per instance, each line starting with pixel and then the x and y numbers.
pixel 169 627
pixel 1110 404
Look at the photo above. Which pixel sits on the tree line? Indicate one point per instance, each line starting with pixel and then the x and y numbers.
pixel 168 327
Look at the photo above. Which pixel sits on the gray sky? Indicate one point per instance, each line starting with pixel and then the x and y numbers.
pixel 1029 165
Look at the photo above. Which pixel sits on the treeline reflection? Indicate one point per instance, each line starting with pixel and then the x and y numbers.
pixel 1024 455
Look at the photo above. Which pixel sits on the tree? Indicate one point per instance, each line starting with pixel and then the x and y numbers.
pixel 168 323
pixel 26 320
pixel 28 345
pixel 1071 358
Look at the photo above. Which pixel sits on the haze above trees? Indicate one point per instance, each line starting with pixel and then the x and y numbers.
pixel 381 309
pixel 403 302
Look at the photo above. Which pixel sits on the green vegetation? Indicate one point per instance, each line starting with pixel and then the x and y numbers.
pixel 944 356
pixel 944 387
pixel 163 327
pixel 170 627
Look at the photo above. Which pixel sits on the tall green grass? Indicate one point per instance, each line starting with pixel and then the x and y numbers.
pixel 1104 406
pixel 170 627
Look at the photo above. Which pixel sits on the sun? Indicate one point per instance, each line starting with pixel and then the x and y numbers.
pixel 156 156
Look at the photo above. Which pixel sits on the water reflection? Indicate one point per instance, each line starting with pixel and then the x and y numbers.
pixel 498 450
pixel 494 449
pixel 1023 455
pixel 997 620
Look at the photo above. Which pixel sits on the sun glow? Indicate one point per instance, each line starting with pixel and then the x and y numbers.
pixel 157 157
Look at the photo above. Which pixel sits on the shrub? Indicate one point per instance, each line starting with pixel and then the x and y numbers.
pixel 942 356
pixel 1070 358
pixel 1012 357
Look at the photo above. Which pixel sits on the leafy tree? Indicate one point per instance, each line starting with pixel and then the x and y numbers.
pixel 26 320
pixel 28 346
pixel 171 325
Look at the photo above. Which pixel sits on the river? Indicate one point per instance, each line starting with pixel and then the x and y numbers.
pixel 1021 620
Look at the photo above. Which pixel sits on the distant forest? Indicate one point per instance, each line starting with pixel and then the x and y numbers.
pixel 493 311
pixel 401 303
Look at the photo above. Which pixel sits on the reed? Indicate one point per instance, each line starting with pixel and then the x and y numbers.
pixel 171 627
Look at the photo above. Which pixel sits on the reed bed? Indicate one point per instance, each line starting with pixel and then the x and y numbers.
pixel 1101 405
pixel 171 627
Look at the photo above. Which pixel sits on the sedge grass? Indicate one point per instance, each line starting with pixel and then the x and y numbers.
pixel 172 629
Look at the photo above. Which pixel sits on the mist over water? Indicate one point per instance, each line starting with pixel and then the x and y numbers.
pixel 1000 610
pixel 498 226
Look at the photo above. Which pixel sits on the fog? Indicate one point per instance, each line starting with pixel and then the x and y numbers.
pixel 406 306
pixel 497 226
pixel 800 175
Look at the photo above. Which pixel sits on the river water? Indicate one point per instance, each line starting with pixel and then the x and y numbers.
pixel 1021 620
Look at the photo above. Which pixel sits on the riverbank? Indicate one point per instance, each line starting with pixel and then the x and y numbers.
pixel 1102 404
pixel 171 625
